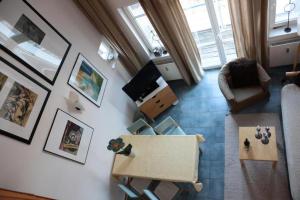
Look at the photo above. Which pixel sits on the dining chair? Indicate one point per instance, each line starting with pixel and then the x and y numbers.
pixel 164 191
pixel 129 191
pixel 140 127
pixel 169 127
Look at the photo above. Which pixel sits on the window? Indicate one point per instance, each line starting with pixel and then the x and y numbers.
pixel 144 29
pixel 210 24
pixel 278 16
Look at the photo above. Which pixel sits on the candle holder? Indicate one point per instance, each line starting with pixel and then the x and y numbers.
pixel 247 144
pixel 265 138
pixel 288 9
pixel 268 131
pixel 258 134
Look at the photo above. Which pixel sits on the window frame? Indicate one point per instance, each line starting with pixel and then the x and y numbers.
pixel 272 16
pixel 138 30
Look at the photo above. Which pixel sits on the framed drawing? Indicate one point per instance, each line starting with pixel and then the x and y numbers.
pixel 69 137
pixel 31 39
pixel 22 101
pixel 87 80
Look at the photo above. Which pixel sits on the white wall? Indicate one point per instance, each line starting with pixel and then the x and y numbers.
pixel 27 168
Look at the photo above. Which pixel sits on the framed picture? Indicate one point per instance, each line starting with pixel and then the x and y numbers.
pixel 69 137
pixel 87 80
pixel 31 39
pixel 22 101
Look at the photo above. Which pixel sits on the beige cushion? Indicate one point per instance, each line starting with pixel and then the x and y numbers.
pixel 290 98
pixel 166 190
pixel 242 94
pixel 140 184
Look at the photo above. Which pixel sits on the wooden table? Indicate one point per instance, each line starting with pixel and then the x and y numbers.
pixel 257 150
pixel 161 157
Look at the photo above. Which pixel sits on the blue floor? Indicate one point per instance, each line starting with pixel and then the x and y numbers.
pixel 202 109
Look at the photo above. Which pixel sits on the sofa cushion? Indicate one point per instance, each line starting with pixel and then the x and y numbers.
pixel 243 73
pixel 242 94
pixel 290 97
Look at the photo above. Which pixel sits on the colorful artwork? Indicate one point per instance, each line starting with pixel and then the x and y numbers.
pixel 71 138
pixel 3 79
pixel 18 104
pixel 89 81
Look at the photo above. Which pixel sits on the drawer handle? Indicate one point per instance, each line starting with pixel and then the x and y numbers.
pixel 153 96
pixel 162 105
pixel 157 101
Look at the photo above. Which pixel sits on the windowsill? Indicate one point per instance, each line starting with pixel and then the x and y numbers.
pixel 278 34
pixel 162 59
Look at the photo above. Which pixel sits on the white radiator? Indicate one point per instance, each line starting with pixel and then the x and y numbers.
pixel 283 53
pixel 169 71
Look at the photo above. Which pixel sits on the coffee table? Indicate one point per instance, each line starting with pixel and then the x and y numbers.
pixel 257 150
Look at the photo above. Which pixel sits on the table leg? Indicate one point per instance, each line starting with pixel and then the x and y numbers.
pixel 242 163
pixel 198 186
pixel 274 164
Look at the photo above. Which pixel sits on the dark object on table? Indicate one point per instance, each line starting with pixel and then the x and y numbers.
pixel 243 73
pixel 268 132
pixel 126 151
pixel 289 8
pixel 247 143
pixel 258 134
pixel 265 139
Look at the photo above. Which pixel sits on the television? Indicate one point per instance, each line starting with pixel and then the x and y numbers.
pixel 143 83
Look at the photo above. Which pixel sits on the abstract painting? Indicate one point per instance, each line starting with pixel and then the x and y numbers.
pixel 69 137
pixel 87 80
pixel 18 104
pixel 3 79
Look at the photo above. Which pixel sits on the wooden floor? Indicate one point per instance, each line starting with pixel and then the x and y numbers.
pixel 11 195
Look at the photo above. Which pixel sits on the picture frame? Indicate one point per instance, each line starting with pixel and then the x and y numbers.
pixel 29 38
pixel 69 137
pixel 86 79
pixel 22 102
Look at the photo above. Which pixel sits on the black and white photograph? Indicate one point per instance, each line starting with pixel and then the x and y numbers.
pixel 28 29
pixel 29 38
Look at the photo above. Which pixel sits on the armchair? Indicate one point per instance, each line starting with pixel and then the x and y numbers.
pixel 238 98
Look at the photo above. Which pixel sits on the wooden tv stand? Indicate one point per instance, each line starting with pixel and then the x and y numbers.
pixel 158 101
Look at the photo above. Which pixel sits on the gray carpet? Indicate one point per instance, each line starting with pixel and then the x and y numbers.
pixel 257 180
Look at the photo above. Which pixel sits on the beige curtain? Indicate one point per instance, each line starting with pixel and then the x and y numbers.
pixel 250 26
pixel 168 19
pixel 101 18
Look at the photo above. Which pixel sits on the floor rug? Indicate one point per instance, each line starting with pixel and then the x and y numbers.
pixel 257 180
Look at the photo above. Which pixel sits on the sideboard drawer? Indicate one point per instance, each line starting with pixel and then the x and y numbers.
pixel 159 103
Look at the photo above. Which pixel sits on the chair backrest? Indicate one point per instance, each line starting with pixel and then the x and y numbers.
pixel 141 127
pixel 167 123
pixel 165 190
pixel 150 195
pixel 130 193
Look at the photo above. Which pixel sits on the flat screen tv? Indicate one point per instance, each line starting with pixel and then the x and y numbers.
pixel 143 83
